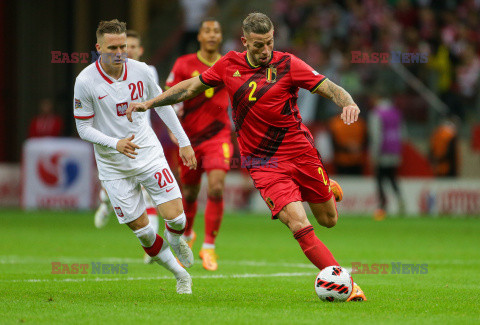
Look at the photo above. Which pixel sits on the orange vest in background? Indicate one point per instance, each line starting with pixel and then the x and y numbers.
pixel 349 142
pixel 444 151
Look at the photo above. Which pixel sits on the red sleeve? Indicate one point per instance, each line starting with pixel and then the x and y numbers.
pixel 304 76
pixel 175 75
pixel 213 76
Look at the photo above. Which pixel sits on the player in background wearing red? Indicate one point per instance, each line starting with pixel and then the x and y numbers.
pixel 284 164
pixel 104 210
pixel 206 122
pixel 129 155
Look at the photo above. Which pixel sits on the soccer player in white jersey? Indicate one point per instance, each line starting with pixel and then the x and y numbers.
pixel 102 215
pixel 128 154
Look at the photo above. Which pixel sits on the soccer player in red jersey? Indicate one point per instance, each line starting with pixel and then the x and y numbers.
pixel 206 122
pixel 277 149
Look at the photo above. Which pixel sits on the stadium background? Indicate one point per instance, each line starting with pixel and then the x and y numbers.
pixel 324 33
pixel 263 277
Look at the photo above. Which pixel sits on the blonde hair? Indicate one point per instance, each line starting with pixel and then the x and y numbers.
pixel 257 23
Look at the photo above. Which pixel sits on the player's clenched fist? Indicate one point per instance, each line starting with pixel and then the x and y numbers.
pixel 136 107
pixel 127 147
pixel 350 114
pixel 188 157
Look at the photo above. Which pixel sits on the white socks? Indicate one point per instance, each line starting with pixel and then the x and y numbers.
pixel 157 248
pixel 153 218
pixel 175 227
pixel 208 246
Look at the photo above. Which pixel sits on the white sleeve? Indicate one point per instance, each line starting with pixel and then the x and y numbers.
pixel 168 116
pixel 154 72
pixel 82 100
pixel 88 133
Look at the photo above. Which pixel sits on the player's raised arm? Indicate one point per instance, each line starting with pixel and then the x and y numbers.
pixel 342 98
pixel 180 92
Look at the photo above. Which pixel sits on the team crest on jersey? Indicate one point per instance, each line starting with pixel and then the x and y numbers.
pixel 119 212
pixel 122 109
pixel 271 74
pixel 270 203
pixel 78 104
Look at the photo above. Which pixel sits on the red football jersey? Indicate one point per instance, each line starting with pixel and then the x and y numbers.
pixel 264 102
pixel 205 116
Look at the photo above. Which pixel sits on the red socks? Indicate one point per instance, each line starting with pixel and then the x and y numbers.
pixel 313 248
pixel 213 218
pixel 155 248
pixel 190 209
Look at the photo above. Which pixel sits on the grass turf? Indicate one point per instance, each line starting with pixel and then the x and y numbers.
pixel 263 276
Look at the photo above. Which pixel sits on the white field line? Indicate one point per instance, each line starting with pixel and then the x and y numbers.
pixel 213 276
pixel 15 259
pixel 69 260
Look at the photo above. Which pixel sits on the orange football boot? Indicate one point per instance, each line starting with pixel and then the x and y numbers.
pixel 209 258
pixel 337 190
pixel 379 215
pixel 357 294
pixel 190 241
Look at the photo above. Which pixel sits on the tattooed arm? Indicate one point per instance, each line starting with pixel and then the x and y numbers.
pixel 180 92
pixel 342 98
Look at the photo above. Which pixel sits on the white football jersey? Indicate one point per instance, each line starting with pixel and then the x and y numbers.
pixel 105 99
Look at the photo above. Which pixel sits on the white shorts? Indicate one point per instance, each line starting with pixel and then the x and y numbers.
pixel 126 196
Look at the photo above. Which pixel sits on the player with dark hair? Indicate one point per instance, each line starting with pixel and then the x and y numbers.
pixel 284 164
pixel 206 122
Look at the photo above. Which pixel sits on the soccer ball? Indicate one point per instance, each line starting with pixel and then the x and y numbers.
pixel 333 283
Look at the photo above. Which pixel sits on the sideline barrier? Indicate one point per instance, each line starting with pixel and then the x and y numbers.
pixel 58 173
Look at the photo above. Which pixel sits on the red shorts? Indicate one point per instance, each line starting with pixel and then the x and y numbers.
pixel 302 178
pixel 210 154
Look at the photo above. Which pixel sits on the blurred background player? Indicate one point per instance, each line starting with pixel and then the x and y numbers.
pixel 46 123
pixel 206 122
pixel 386 137
pixel 284 164
pixel 102 215
pixel 123 165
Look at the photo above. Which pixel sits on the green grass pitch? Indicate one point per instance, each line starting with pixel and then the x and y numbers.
pixel 263 276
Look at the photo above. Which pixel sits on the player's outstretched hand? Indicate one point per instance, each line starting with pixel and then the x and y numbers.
pixel 127 147
pixel 350 114
pixel 136 107
pixel 188 157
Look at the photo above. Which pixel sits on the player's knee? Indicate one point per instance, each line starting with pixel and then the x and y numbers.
pixel 173 212
pixel 190 193
pixel 215 190
pixel 331 219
